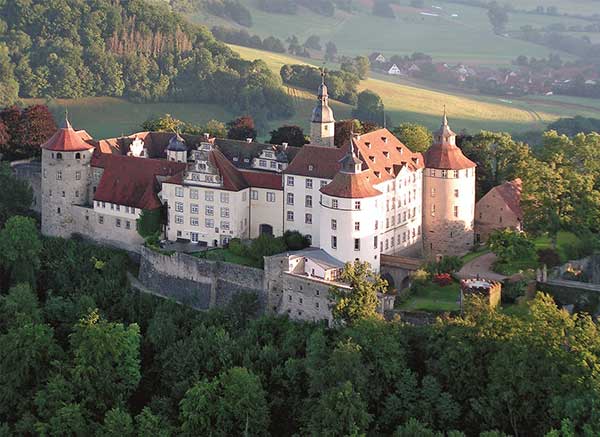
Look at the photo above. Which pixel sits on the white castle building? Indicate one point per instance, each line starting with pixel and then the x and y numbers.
pixel 370 197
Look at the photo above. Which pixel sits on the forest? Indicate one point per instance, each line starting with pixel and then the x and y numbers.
pixel 132 48
pixel 82 353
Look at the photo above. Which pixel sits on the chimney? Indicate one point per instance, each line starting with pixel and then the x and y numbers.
pixel 206 136
pixel 248 140
pixel 284 145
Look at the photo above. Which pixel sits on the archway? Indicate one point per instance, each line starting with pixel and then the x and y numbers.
pixel 265 229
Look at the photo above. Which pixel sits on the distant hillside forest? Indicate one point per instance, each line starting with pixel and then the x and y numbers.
pixel 131 48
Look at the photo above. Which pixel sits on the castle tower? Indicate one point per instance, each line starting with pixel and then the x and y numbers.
pixel 322 124
pixel 65 177
pixel 347 220
pixel 177 150
pixel 448 196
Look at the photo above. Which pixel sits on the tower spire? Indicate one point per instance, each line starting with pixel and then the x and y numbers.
pixel 66 124
pixel 445 119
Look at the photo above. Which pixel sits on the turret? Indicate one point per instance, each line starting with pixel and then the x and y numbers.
pixel 347 221
pixel 322 124
pixel 177 149
pixel 65 177
pixel 448 196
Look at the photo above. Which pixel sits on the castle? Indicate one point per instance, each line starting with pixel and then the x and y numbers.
pixel 370 197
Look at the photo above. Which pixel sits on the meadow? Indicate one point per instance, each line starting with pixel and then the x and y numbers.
pixel 460 33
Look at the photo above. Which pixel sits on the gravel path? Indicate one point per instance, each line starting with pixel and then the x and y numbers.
pixel 481 266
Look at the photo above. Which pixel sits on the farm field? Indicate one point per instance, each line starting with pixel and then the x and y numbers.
pixel 459 33
pixel 406 102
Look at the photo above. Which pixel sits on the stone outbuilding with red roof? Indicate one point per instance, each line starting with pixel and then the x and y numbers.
pixel 499 209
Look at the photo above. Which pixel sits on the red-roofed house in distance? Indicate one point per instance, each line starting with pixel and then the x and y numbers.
pixel 499 209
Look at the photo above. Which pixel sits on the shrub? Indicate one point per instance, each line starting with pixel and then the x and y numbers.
pixel 294 240
pixel 549 256
pixel 265 245
pixel 448 264
pixel 511 291
pixel 442 279
pixel 237 248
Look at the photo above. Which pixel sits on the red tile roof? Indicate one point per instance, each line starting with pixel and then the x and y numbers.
pixel 316 161
pixel 446 156
pixel 232 177
pixel 132 181
pixel 352 185
pixel 67 140
pixel 511 194
pixel 382 152
pixel 260 179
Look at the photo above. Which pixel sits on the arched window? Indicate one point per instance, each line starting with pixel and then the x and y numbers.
pixel 59 156
pixel 78 155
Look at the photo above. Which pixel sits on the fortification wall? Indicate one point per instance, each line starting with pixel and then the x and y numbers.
pixel 30 170
pixel 199 283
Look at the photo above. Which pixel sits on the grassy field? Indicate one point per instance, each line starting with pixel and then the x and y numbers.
pixel 458 32
pixel 432 297
pixel 105 117
pixel 410 102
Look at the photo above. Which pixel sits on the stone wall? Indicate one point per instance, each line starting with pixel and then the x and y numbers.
pixel 582 300
pixel 199 283
pixel 30 170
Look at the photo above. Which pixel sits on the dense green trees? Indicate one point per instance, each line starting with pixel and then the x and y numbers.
pixel 414 136
pixel 369 107
pixel 342 85
pixel 16 195
pixel 292 135
pixel 137 49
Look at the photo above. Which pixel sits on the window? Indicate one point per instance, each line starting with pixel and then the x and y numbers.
pixel 77 175
pixel 290 198
pixel 308 202
pixel 178 206
pixel 194 221
pixel 194 208
pixel 375 242
pixel 333 242
pixel 59 175
pixel 209 210
pixel 357 204
pixel 357 226
pixel 225 212
pixel 127 224
pixel 404 237
pixel 357 244
pixel 63 194
pixel 262 162
pixel 500 219
pixel 225 226
pixel 290 216
pixel 273 164
pixel 323 183
pixel 433 209
pixel 456 173
pixel 133 210
pixel 290 181
pixel 455 193
pixel 118 207
pixel 334 203
pixel 58 210
pixel 270 197
pixel 244 196
pixel 101 219
pixel 118 223
pixel 45 173
pixel 224 197
pixel 387 244
pixel 59 156
pixel 480 216
pixel 432 172
pixel 76 193
pixel 309 184
pixel 103 204
pixel 404 216
pixel 209 223
pixel 433 192
pixel 209 196
pixel 78 156
pixel 444 173
pixel 194 237
pixel 193 193
pixel 254 194
pixel 317 305
pixel 387 222
pixel 308 219
pixel 333 224
pixel 179 219
pixel 455 211
pixel 178 191
pixel 419 230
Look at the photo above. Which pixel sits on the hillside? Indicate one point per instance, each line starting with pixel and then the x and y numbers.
pixel 448 31
pixel 408 102
pixel 134 49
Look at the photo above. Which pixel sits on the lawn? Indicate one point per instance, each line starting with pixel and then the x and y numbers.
pixel 222 254
pixel 475 254
pixel 432 297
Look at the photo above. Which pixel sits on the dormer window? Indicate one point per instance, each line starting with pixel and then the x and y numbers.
pixel 400 150
pixel 386 154
pixel 416 160
pixel 389 170
pixel 384 139
pixel 372 158
pixel 368 144
pixel 311 167
pixel 378 174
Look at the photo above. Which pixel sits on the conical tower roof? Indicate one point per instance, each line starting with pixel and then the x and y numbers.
pixel 66 139
pixel 322 113
pixel 444 154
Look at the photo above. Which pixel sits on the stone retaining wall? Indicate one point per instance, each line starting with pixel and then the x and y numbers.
pixel 199 283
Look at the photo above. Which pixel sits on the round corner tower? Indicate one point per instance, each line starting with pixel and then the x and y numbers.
pixel 347 210
pixel 66 165
pixel 448 197
pixel 322 123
